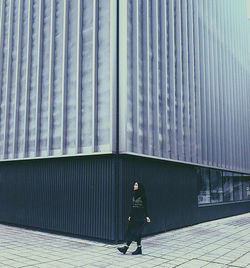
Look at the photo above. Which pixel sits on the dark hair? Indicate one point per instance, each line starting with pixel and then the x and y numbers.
pixel 140 191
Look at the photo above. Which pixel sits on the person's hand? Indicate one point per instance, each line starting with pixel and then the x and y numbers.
pixel 148 219
pixel 129 218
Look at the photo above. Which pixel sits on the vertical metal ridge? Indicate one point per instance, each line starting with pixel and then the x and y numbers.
pixel 8 80
pixel 95 76
pixel 219 87
pixel 185 83
pixel 27 79
pixel 173 138
pixel 114 75
pixel 17 89
pixel 147 88
pixel 164 78
pixel 191 79
pixel 145 76
pixel 246 22
pixel 224 75
pixel 123 72
pixel 234 86
pixel 226 86
pixel 51 77
pixel 214 119
pixel 242 56
pixel 178 82
pixel 202 84
pixel 239 92
pixel 135 77
pixel 64 79
pixel 207 82
pixel 39 81
pixel 78 77
pixel 245 69
pixel 2 19
pixel 197 81
pixel 230 82
pixel 155 80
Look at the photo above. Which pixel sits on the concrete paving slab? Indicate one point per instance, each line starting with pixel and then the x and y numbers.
pixel 222 243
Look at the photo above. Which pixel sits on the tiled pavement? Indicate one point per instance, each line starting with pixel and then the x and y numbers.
pixel 220 243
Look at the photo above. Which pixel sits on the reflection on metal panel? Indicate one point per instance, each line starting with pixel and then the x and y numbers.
pixel 186 88
pixel 57 69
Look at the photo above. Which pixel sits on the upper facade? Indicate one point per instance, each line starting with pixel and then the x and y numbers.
pixel 57 77
pixel 184 81
pixel 178 69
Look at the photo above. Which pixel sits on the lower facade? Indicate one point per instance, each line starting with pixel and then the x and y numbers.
pixel 90 196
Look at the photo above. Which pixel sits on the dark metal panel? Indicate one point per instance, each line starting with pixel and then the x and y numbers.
pixel 168 187
pixel 171 190
pixel 72 195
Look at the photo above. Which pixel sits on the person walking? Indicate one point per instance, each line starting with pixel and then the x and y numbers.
pixel 138 216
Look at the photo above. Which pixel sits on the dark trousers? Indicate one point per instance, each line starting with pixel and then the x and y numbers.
pixel 138 241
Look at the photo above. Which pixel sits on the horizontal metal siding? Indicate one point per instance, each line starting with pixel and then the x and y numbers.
pixel 72 195
pixel 186 81
pixel 57 77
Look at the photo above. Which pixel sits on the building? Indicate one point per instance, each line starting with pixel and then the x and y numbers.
pixel 95 94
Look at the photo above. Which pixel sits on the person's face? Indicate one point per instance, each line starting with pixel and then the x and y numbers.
pixel 136 186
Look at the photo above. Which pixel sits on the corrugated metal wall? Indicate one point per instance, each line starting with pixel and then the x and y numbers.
pixel 57 77
pixel 184 81
pixel 74 195
pixel 171 190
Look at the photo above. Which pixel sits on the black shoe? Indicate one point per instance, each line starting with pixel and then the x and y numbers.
pixel 137 251
pixel 123 249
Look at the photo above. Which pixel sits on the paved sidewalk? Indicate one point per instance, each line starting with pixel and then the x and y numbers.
pixel 220 243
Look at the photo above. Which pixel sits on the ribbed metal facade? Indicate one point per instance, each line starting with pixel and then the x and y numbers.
pixel 57 77
pixel 73 195
pixel 172 83
pixel 184 81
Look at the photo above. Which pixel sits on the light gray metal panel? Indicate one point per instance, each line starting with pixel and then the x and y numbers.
pixel 72 44
pixel 178 81
pixel 145 78
pixel 8 79
pixel 39 78
pixel 104 116
pixel 135 77
pixel 27 79
pixel 207 82
pixel 191 80
pixel 197 82
pixel 164 78
pixel 78 78
pixel 155 80
pixel 213 85
pixel 229 83
pixel 202 82
pixel 2 19
pixel 64 102
pixel 190 101
pixel 17 78
pixel 186 87
pixel 48 107
pixel 172 87
pixel 94 74
pixel 234 85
